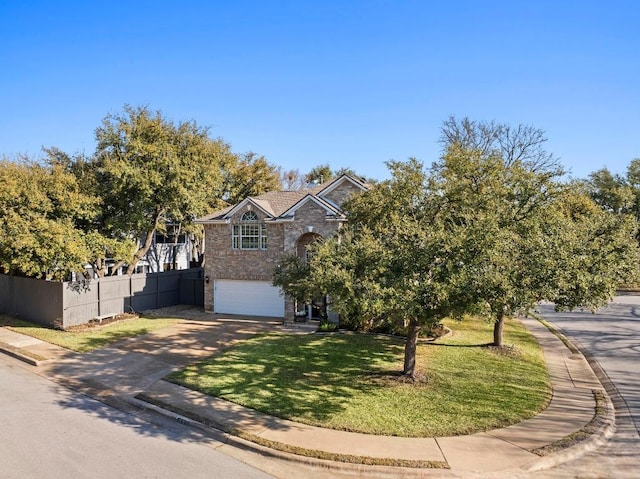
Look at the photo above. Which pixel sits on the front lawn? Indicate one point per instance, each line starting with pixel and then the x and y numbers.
pixel 88 338
pixel 350 381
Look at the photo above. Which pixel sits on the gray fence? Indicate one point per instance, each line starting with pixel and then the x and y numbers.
pixel 72 303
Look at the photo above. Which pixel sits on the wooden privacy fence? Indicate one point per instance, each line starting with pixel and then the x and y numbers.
pixel 73 303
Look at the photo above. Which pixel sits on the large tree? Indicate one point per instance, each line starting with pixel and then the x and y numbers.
pixel 524 242
pixel 611 191
pixel 498 210
pixel 151 172
pixel 617 193
pixel 599 252
pixel 390 264
pixel 246 175
pixel 501 179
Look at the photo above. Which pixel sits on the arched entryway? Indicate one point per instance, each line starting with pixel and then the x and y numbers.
pixel 317 308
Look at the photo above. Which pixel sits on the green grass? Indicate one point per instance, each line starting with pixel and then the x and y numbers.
pixel 350 381
pixel 90 338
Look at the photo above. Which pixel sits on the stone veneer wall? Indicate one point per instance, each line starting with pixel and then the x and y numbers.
pixel 342 193
pixel 223 262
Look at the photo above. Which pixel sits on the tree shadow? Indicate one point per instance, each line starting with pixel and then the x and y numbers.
pixel 305 376
pixel 118 372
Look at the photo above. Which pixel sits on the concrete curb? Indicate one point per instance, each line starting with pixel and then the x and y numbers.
pixel 601 435
pixel 597 439
pixel 603 432
pixel 18 354
pixel 382 472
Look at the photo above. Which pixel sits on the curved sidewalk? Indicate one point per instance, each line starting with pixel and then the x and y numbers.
pixel 571 408
pixel 135 368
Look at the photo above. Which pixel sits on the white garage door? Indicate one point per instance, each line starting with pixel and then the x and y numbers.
pixel 252 298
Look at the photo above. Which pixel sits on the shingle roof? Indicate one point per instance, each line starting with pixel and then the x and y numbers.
pixel 275 202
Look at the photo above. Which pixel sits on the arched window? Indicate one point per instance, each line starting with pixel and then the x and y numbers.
pixel 250 233
pixel 249 216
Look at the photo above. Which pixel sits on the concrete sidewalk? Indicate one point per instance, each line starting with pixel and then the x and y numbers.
pixel 137 366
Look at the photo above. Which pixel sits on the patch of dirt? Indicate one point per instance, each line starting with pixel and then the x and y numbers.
pixel 509 351
pixel 396 377
pixel 596 425
pixel 180 311
pixel 96 324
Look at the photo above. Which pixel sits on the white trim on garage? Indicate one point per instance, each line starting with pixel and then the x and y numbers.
pixel 250 298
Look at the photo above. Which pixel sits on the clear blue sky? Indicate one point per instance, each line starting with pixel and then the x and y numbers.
pixel 349 83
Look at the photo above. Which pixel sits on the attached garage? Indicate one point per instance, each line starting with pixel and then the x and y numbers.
pixel 251 298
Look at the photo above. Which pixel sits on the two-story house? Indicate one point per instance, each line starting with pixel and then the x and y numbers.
pixel 243 243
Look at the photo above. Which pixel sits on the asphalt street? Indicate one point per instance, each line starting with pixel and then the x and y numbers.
pixel 610 336
pixel 47 431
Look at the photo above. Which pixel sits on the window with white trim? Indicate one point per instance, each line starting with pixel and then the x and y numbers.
pixel 250 233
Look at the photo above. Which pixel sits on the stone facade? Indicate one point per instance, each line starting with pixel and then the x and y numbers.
pixel 341 194
pixel 292 220
pixel 221 261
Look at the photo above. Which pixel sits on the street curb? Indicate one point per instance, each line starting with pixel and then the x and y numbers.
pixel 602 434
pixel 596 440
pixel 18 354
pixel 382 472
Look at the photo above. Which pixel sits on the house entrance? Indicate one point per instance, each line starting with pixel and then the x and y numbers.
pixel 316 309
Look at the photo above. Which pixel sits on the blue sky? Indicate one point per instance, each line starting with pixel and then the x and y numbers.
pixel 348 83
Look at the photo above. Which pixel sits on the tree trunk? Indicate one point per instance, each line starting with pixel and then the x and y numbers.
pixel 99 270
pixel 148 241
pixel 498 328
pixel 131 268
pixel 410 347
pixel 174 249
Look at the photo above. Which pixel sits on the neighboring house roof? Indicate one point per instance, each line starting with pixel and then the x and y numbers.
pixel 280 205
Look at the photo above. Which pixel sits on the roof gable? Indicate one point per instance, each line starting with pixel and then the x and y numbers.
pixel 279 205
pixel 333 185
pixel 329 208
pixel 261 205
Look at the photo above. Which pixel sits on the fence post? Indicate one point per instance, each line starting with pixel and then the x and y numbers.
pixel 99 299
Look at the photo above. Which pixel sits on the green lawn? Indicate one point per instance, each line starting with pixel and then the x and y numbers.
pixel 350 381
pixel 91 338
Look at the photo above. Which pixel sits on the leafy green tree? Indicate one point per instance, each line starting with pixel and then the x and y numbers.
pixel 44 219
pixel 151 172
pixel 497 209
pixel 292 274
pixel 248 175
pixel 501 179
pixel 611 192
pixel 320 174
pixel 388 266
pixel 598 250
pixel 523 243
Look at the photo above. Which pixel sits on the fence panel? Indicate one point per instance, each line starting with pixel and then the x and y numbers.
pixel 81 301
pixel 169 288
pixel 35 300
pixel 73 303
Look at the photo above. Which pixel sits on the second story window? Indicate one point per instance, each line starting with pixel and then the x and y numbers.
pixel 250 233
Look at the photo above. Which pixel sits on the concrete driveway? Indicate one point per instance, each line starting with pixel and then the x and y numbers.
pixel 132 365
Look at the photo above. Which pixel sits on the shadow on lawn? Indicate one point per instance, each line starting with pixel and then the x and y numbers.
pixel 311 376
